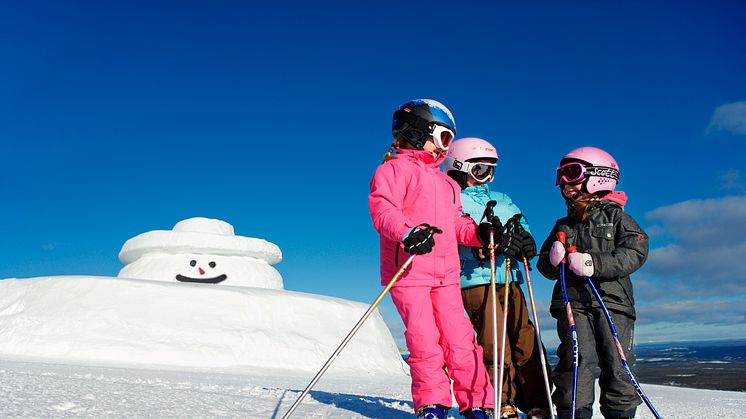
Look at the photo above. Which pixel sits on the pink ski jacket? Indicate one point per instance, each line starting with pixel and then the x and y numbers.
pixel 409 190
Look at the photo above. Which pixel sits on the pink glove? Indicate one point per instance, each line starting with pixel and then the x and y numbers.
pixel 581 264
pixel 556 253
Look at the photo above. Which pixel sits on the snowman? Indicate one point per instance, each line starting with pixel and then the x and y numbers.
pixel 201 251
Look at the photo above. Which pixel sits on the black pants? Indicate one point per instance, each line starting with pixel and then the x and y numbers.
pixel 596 347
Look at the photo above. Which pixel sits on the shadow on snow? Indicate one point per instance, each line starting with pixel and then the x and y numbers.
pixel 368 406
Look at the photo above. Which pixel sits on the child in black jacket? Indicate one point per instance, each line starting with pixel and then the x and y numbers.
pixel 610 246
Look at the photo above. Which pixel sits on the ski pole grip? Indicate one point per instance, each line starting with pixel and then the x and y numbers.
pixel 562 237
pixel 571 249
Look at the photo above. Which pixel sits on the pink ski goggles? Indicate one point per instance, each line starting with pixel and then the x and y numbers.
pixel 575 172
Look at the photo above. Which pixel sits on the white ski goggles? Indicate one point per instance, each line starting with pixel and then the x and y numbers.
pixel 442 136
pixel 481 172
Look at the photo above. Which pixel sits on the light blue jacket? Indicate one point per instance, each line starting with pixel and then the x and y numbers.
pixel 474 201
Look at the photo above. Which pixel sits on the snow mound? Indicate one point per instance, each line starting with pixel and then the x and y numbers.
pixel 117 321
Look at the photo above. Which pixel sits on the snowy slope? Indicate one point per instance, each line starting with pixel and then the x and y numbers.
pixel 127 322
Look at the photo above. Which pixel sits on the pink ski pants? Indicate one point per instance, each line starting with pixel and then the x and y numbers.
pixel 441 344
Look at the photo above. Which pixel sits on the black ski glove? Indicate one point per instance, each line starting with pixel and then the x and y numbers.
pixel 511 243
pixel 484 229
pixel 483 234
pixel 528 245
pixel 420 240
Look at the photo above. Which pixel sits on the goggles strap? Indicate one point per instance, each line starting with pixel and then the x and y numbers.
pixel 601 171
pixel 412 120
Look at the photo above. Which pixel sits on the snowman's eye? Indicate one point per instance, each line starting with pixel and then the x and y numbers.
pixel 192 263
pixel 212 264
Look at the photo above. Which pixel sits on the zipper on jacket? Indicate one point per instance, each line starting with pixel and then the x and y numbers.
pixel 396 255
pixel 454 193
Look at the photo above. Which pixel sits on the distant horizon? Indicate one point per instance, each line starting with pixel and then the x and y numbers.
pixel 553 350
pixel 693 341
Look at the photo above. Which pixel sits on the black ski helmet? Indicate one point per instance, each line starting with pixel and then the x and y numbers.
pixel 416 119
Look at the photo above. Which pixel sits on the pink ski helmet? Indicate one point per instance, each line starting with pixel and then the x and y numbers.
pixel 461 154
pixel 595 168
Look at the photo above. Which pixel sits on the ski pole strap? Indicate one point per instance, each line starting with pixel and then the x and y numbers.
pixel 427 228
pixel 488 211
pixel 432 230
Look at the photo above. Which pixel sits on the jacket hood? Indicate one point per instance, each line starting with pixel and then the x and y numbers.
pixel 477 190
pixel 618 197
pixel 420 155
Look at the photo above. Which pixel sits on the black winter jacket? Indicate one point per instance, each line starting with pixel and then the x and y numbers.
pixel 618 247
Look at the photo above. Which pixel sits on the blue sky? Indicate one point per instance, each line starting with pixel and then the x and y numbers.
pixel 120 118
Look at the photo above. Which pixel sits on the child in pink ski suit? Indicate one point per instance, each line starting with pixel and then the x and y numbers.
pixel 407 191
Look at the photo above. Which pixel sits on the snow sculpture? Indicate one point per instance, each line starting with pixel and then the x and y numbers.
pixel 202 250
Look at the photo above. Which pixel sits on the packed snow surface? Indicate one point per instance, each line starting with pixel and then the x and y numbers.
pixel 35 390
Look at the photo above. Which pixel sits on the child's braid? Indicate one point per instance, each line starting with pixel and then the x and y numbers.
pixel 389 154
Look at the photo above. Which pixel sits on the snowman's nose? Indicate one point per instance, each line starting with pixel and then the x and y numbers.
pixel 201 271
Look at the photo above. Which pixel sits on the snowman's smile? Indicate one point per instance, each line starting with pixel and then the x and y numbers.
pixel 213 280
pixel 195 264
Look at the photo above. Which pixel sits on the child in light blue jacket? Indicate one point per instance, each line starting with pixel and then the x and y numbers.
pixel 471 163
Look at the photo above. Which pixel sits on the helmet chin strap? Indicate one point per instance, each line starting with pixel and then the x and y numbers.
pixel 417 142
pixel 415 129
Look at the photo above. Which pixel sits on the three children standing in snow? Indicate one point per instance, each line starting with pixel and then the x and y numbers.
pixel 417 210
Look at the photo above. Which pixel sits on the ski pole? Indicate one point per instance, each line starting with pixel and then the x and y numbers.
pixel 538 337
pixel 349 336
pixel 493 296
pixel 509 227
pixel 505 331
pixel 620 350
pixel 561 236
pixel 527 269
pixel 488 214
